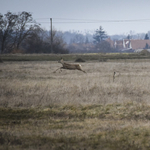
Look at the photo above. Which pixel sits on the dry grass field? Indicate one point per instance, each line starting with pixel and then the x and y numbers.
pixel 71 110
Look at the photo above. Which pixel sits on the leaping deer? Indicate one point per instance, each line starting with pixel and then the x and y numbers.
pixel 69 66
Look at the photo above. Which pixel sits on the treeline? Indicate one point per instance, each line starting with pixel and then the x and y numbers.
pixel 99 43
pixel 19 33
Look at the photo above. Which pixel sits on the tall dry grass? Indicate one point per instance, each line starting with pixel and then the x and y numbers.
pixel 71 110
pixel 31 84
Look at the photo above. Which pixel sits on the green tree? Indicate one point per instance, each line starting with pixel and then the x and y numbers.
pixel 146 37
pixel 146 46
pixel 128 37
pixel 100 35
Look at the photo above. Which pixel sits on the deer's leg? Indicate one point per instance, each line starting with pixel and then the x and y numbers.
pixel 81 70
pixel 58 69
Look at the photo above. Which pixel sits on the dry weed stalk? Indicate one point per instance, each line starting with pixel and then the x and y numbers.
pixel 114 76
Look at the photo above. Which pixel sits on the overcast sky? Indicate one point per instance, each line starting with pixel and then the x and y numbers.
pixel 115 16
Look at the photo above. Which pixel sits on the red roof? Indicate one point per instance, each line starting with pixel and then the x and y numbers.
pixel 135 44
pixel 139 44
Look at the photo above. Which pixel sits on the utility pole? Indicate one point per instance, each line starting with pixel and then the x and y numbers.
pixel 51 36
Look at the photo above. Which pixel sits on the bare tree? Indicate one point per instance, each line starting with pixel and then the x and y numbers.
pixel 7 26
pixel 104 47
pixel 39 42
pixel 35 42
pixel 14 28
pixel 59 45
pixel 20 31
pixel 78 38
pixel 24 28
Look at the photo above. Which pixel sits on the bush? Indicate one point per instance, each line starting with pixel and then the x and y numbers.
pixel 145 52
pixel 79 60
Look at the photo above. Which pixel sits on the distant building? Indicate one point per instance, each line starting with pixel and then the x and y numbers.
pixel 123 45
pixel 130 44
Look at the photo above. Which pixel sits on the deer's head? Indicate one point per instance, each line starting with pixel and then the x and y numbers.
pixel 61 61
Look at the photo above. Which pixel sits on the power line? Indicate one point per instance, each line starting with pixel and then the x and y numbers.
pixel 96 19
pixel 68 20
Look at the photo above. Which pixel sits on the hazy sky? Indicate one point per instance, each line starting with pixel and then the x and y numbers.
pixel 115 16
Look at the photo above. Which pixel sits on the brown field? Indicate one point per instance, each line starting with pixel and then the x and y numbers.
pixel 72 110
